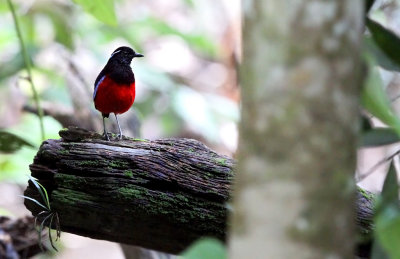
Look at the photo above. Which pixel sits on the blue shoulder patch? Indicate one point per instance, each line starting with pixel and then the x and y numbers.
pixel 97 87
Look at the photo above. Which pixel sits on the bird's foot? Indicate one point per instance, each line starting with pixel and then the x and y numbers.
pixel 106 137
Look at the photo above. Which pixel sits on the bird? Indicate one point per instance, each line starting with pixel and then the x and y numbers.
pixel 114 88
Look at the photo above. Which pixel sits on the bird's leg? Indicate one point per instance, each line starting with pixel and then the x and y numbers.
pixel 120 132
pixel 105 131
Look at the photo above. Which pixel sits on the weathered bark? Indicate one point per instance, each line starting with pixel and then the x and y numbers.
pixel 364 220
pixel 300 83
pixel 161 194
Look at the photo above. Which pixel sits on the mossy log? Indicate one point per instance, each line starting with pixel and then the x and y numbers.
pixel 160 194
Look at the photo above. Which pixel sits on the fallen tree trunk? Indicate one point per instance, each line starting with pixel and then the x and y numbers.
pixel 161 194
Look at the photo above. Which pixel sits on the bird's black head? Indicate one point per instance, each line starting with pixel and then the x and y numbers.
pixel 124 55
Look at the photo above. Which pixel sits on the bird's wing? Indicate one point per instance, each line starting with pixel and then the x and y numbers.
pixel 98 81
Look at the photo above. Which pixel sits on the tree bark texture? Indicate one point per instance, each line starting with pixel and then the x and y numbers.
pixel 294 188
pixel 160 194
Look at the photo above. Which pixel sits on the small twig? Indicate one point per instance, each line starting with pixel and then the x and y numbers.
pixel 377 165
pixel 395 98
pixel 28 68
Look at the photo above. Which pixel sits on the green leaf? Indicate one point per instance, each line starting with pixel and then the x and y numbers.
pixel 103 10
pixel 41 230
pixel 11 67
pixel 10 143
pixel 63 30
pixel 388 231
pixel 375 101
pixel 49 231
pixel 386 40
pixel 387 219
pixel 380 57
pixel 35 201
pixel 209 248
pixel 40 189
pixel 198 40
pixel 390 189
pixel 13 166
pixel 379 137
pixel 368 5
pixel 46 196
pixel 378 252
pixel 365 124
pixel 60 15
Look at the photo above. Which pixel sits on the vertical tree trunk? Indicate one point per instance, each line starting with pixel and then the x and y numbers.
pixel 300 86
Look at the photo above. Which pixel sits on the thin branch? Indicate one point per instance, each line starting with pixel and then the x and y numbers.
pixel 377 165
pixel 28 68
pixel 395 98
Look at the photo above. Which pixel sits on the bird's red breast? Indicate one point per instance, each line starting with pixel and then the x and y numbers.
pixel 111 97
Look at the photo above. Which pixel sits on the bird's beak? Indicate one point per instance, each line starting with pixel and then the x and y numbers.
pixel 138 55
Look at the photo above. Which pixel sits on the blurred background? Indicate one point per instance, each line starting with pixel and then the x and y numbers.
pixel 186 85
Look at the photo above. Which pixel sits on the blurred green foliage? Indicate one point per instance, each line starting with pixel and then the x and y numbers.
pixel 388 41
pixel 83 31
pixel 209 248
pixel 382 51
pixel 10 143
pixel 375 101
pixel 15 166
pixel 387 218
pixel 28 67
pixel 379 137
pixel 101 9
